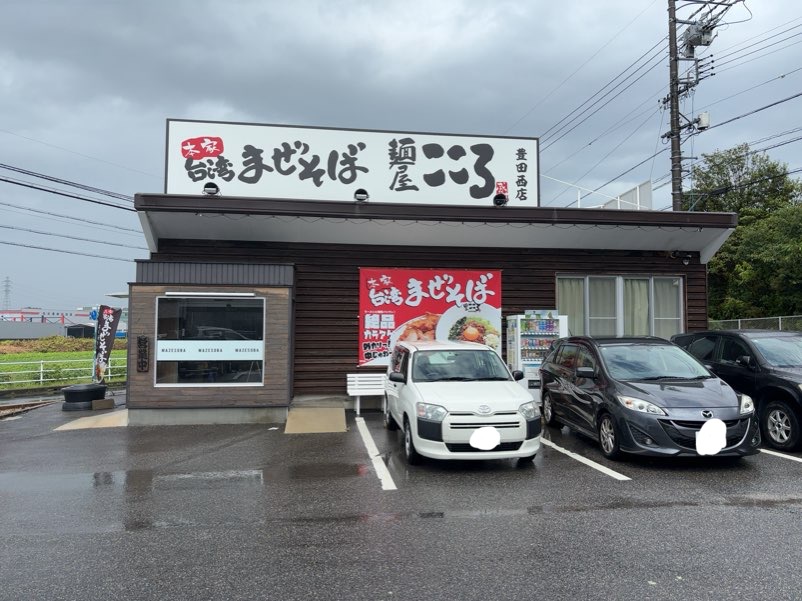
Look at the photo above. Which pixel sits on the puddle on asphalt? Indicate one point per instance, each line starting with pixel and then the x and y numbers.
pixel 147 480
pixel 306 471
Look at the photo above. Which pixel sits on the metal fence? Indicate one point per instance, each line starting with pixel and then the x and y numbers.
pixel 40 373
pixel 787 322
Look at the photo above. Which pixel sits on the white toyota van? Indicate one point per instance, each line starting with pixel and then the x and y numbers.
pixel 458 400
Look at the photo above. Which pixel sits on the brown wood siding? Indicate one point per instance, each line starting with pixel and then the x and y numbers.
pixel 327 278
pixel 143 394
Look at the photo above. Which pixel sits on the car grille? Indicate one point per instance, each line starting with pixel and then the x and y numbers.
pixel 466 448
pixel 475 425
pixel 684 432
pixel 472 414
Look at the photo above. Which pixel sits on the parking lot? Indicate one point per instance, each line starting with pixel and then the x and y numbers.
pixel 245 512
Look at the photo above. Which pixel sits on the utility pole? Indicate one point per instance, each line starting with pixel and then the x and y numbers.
pixel 699 32
pixel 674 134
pixel 7 293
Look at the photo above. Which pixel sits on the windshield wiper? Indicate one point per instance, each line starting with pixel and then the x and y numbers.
pixel 454 379
pixel 672 378
pixel 493 379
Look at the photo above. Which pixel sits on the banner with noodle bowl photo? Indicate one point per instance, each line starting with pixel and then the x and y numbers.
pixel 426 304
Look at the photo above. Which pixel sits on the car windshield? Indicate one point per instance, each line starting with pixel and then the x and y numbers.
pixel 651 362
pixel 782 351
pixel 458 365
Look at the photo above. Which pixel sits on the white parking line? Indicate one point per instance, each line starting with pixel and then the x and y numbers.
pixel 586 461
pixel 783 455
pixel 373 452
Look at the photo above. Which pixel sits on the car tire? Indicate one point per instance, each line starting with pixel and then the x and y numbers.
pixel 410 454
pixel 524 461
pixel 548 412
pixel 608 437
pixel 780 425
pixel 389 421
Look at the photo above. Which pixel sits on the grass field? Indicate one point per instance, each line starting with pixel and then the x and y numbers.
pixel 51 369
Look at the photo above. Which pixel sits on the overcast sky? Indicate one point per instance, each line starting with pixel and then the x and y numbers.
pixel 86 87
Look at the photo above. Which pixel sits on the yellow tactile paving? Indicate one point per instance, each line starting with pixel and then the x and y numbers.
pixel 309 420
pixel 116 419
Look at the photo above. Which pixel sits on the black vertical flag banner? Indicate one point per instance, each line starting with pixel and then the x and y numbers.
pixel 106 329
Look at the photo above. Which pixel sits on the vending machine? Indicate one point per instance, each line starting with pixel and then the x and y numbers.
pixel 529 338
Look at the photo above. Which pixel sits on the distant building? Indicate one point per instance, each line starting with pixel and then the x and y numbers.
pixel 38 315
pixel 81 318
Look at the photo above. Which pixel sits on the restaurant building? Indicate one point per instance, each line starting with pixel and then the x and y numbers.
pixel 307 258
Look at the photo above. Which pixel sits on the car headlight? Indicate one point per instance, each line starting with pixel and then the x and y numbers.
pixel 435 413
pixel 747 404
pixel 640 405
pixel 530 411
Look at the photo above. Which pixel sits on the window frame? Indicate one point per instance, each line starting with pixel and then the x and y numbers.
pixel 220 296
pixel 620 278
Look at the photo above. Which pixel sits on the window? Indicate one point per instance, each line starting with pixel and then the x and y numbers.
pixel 586 359
pixel 702 348
pixel 567 356
pixel 210 341
pixel 621 305
pixel 731 349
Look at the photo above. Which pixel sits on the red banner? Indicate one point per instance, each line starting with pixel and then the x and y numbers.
pixel 426 304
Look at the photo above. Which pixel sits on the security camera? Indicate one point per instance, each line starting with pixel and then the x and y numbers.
pixel 499 200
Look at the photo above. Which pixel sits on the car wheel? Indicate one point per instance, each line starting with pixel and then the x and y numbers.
pixel 608 437
pixel 522 461
pixel 389 421
pixel 410 453
pixel 548 412
pixel 780 426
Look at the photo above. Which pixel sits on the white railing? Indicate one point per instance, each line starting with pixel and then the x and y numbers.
pixel 785 323
pixel 41 372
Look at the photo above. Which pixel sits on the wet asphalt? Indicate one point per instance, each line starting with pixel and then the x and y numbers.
pixel 248 512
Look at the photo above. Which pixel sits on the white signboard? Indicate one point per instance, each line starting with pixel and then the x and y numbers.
pixel 274 161
pixel 210 350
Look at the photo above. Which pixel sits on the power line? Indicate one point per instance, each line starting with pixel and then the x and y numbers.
pixel 578 69
pixel 60 193
pixel 81 219
pixel 11 133
pixel 725 189
pixel 558 129
pixel 750 113
pixel 649 158
pixel 23 229
pixel 68 182
pixel 69 252
pixel 600 161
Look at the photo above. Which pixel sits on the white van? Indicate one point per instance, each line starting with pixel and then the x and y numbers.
pixel 458 400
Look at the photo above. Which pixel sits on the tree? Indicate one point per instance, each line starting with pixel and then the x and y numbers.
pixel 755 187
pixel 768 270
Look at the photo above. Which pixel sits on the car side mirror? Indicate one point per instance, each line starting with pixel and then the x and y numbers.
pixel 745 360
pixel 397 376
pixel 585 372
pixel 517 374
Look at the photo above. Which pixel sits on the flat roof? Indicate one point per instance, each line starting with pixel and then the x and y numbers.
pixel 175 217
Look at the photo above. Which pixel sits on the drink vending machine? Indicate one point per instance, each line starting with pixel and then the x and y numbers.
pixel 529 338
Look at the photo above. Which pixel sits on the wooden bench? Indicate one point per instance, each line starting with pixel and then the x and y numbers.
pixel 365 384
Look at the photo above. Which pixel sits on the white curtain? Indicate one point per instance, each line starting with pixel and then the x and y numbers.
pixel 667 316
pixel 636 307
pixel 571 302
pixel 602 311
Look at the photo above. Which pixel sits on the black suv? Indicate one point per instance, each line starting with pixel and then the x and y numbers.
pixel 766 365
pixel 642 395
